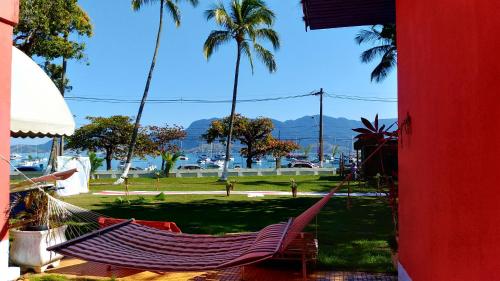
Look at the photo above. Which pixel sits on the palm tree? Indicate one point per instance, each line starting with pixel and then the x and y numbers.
pixel 170 6
pixel 170 158
pixel 245 23
pixel 385 38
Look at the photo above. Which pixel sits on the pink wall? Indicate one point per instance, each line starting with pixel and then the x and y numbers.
pixel 8 18
pixel 449 83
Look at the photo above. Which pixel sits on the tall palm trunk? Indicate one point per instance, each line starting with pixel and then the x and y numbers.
pixel 63 90
pixel 231 118
pixel 133 140
pixel 57 147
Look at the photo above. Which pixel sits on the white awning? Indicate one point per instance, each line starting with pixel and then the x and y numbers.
pixel 37 107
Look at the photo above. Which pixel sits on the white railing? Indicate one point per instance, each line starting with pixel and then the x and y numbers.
pixel 217 173
pixel 113 174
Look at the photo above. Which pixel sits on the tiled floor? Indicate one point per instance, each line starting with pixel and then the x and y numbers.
pixel 78 268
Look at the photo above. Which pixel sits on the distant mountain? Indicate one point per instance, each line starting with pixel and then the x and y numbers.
pixel 31 148
pixel 304 130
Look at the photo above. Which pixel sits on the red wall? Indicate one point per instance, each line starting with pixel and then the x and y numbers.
pixel 449 83
pixel 8 17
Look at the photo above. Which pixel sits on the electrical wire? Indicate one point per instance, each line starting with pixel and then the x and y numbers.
pixel 219 101
pixel 182 100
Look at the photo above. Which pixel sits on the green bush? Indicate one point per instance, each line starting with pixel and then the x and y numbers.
pixel 160 197
pixel 121 201
pixel 139 200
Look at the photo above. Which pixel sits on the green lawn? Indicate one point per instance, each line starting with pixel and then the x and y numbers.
pixel 274 183
pixel 349 239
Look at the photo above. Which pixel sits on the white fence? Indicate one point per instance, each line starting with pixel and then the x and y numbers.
pixel 113 174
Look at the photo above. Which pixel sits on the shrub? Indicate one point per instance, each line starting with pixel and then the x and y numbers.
pixel 160 197
pixel 139 200
pixel 121 201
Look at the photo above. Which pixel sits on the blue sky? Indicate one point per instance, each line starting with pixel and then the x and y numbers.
pixel 120 51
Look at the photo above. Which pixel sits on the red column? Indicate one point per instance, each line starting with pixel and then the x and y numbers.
pixel 449 81
pixel 8 18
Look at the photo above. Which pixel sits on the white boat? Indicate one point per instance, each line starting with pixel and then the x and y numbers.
pixel 150 168
pixel 30 163
pixel 203 159
pixel 183 158
pixel 219 157
pixel 218 164
pixel 222 157
pixel 15 156
pixel 256 160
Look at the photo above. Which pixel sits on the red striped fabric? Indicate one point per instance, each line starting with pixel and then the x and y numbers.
pixel 137 246
pixel 132 245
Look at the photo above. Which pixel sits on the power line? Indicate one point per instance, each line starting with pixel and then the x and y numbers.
pixel 361 98
pixel 208 101
pixel 182 100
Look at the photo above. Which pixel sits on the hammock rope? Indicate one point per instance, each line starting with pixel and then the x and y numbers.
pixel 78 220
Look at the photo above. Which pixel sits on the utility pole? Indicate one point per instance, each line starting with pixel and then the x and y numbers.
pixel 320 151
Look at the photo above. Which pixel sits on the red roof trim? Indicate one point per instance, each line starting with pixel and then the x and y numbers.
pixel 320 14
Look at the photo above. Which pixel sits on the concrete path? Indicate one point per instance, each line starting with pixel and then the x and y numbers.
pixel 236 192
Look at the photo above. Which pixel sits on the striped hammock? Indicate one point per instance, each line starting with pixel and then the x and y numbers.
pixel 133 245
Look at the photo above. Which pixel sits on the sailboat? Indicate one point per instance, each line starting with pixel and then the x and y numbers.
pixel 15 156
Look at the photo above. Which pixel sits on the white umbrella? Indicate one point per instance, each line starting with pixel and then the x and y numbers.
pixel 37 107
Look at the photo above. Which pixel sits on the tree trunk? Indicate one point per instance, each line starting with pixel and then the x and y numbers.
pixel 249 156
pixel 168 167
pixel 278 162
pixel 231 118
pixel 62 89
pixel 162 164
pixel 51 164
pixel 57 148
pixel 108 160
pixel 133 140
pixel 249 162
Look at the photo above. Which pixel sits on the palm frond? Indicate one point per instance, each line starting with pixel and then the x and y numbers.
pixel 246 48
pixel 222 18
pixel 193 3
pixel 270 35
pixel 246 21
pixel 385 66
pixel 174 11
pixel 367 35
pixel 370 54
pixel 137 4
pixel 214 41
pixel 266 57
pixel 260 14
pixel 236 12
pixel 248 6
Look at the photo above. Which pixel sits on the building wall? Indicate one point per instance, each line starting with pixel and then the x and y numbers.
pixel 8 18
pixel 449 84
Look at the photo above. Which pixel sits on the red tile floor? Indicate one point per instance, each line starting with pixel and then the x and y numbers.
pixel 74 268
